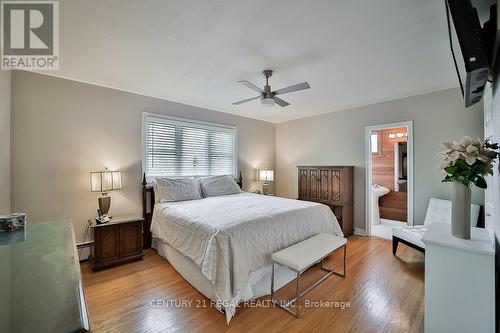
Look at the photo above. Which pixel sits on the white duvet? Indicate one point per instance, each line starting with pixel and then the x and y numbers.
pixel 230 236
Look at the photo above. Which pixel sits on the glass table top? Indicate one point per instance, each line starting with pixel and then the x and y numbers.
pixel 40 282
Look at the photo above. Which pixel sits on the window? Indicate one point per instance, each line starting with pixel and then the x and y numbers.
pixel 374 143
pixel 179 147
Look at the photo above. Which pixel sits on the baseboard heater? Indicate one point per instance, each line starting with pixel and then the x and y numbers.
pixel 84 245
pixel 81 246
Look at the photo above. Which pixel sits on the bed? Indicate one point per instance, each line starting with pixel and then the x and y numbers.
pixel 222 245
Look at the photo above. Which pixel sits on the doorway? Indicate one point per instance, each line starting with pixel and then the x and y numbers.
pixel 389 175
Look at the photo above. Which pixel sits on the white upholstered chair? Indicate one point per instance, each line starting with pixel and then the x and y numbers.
pixel 439 210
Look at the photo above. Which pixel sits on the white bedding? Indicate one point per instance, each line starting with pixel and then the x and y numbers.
pixel 230 236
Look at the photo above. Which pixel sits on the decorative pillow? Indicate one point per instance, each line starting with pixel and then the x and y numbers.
pixel 219 185
pixel 177 189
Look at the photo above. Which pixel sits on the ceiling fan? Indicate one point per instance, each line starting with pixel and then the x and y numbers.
pixel 267 96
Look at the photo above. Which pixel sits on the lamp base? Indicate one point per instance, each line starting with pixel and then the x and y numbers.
pixel 265 189
pixel 104 204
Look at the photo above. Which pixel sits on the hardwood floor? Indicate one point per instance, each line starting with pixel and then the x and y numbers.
pixel 386 295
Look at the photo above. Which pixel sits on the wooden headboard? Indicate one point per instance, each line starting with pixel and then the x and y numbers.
pixel 148 203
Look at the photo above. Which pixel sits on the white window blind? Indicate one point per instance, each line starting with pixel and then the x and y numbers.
pixel 176 147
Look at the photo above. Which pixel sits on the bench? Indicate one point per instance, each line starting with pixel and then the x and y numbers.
pixel 300 257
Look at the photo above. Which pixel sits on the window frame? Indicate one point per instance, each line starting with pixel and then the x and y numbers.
pixel 188 122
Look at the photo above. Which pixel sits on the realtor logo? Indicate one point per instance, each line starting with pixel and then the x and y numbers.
pixel 30 35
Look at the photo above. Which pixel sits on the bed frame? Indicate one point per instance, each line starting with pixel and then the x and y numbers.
pixel 148 202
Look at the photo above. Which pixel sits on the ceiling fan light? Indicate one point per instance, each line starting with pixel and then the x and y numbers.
pixel 268 102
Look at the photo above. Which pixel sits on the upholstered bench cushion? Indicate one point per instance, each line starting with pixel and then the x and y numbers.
pixel 411 234
pixel 302 255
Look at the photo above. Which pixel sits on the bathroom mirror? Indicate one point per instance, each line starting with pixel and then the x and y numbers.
pixel 400 167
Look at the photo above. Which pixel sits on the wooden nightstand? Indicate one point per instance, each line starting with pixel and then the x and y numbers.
pixel 116 242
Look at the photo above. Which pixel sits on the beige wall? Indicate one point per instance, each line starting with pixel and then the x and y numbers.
pixel 62 130
pixel 4 141
pixel 337 138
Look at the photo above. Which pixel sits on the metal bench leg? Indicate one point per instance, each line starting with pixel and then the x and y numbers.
pixel 345 260
pixel 299 294
pixel 343 274
pixel 272 284
pixel 287 306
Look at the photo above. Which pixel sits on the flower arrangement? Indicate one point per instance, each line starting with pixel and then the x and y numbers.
pixel 468 162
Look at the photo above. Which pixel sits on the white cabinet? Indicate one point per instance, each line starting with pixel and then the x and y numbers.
pixel 459 281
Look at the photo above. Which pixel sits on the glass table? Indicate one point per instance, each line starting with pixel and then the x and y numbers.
pixel 40 282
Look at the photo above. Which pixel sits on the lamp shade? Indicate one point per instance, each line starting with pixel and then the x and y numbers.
pixel 266 175
pixel 103 181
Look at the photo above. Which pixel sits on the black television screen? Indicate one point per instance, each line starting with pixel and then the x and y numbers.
pixel 457 54
pixel 468 50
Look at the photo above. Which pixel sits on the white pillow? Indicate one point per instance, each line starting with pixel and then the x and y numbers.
pixel 177 189
pixel 219 185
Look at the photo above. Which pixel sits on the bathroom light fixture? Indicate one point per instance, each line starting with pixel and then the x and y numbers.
pixel 397 135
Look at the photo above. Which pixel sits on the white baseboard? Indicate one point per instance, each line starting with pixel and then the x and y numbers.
pixel 360 232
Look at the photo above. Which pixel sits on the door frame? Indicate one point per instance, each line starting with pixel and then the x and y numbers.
pixel 368 167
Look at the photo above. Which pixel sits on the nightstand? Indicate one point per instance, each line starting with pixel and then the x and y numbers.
pixel 116 242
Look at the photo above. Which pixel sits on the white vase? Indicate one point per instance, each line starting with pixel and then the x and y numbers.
pixel 460 212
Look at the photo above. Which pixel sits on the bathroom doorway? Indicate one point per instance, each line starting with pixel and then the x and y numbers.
pixel 389 174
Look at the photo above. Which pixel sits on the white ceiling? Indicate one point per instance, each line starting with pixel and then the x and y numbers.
pixel 351 52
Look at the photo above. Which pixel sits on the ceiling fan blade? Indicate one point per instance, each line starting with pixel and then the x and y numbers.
pixel 245 100
pixel 296 87
pixel 251 86
pixel 281 102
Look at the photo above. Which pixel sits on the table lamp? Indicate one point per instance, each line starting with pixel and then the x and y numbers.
pixel 266 176
pixel 104 181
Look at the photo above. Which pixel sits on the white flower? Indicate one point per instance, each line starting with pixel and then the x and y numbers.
pixel 447 145
pixel 471 149
pixel 454 156
pixel 470 159
pixel 465 141
pixel 473 153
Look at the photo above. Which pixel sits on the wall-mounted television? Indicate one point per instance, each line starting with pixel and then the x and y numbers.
pixel 468 49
